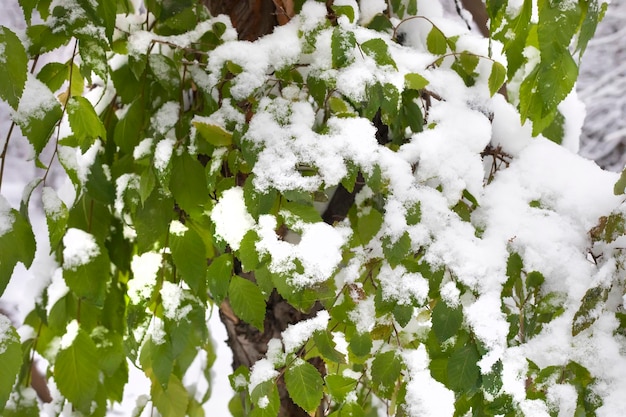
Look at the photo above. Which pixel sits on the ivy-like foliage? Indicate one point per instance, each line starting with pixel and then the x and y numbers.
pixel 199 163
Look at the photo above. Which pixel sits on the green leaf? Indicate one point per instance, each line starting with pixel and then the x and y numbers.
pixel 446 321
pixel 152 221
pixel 496 77
pixel 57 216
pixel 386 369
pixel 16 244
pixel 326 346
pixel 128 131
pixel 620 186
pixel 339 387
pixel 10 358
pixel 86 274
pixel 395 252
pixel 377 49
pixel 85 123
pixel 188 183
pixel 54 74
pixel 463 371
pixel 218 276
pixel 436 42
pixel 413 214
pixel 347 11
pixel 301 211
pixel 403 313
pixel 265 399
pixel 189 254
pixel 76 370
pixel 369 224
pixel 361 344
pixel 594 12
pixel 13 67
pixel 534 279
pixel 304 385
pixel 247 252
pixel 415 81
pixel 214 134
pixel 171 401
pixel 165 71
pixel 342 45
pixel 588 313
pixel 247 301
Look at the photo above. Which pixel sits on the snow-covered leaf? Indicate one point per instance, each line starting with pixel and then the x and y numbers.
pixel 377 49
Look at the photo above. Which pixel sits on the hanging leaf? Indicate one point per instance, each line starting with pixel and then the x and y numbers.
pixel 339 387
pixel 171 401
pixel 386 369
pixel 16 244
pixel 10 358
pixel 189 254
pixel 76 370
pixel 13 67
pixel 497 76
pixel 304 385
pixel 85 123
pixel 463 371
pixel 247 301
pixel 218 276
pixel 265 399
pixel 446 321
pixel 188 183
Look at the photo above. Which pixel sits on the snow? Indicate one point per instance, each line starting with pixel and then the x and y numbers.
pixel 80 248
pixel 163 153
pixel 166 117
pixel 295 335
pixel 319 250
pixel 145 268
pixel 231 218
pixel 425 396
pixel 36 100
pixel 6 217
pixel 71 331
pixel 52 204
pixel 172 296
pixel 262 370
pixel 143 149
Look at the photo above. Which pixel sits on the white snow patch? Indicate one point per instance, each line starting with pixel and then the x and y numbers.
pixel 295 335
pixel 163 153
pixel 143 149
pixel 145 268
pixel 6 217
pixel 425 396
pixel 172 296
pixel 231 218
pixel 80 248
pixel 71 331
